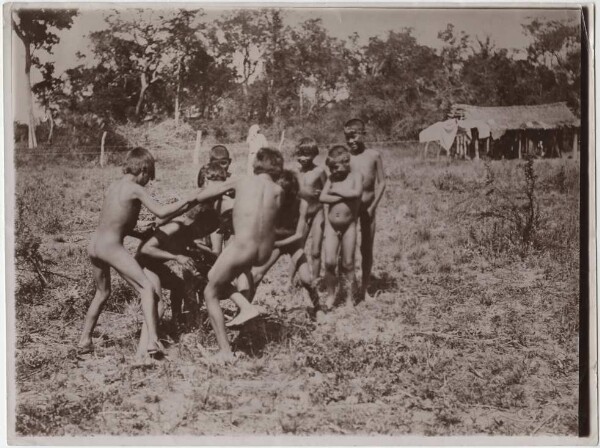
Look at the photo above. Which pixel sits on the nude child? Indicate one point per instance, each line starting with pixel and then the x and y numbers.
pixel 341 194
pixel 257 203
pixel 368 163
pixel 120 210
pixel 312 179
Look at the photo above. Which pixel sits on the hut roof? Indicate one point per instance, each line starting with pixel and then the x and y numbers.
pixel 501 119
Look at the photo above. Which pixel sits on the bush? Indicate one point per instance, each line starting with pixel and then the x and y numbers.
pixel 507 214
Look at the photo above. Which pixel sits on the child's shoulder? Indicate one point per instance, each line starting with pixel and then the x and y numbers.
pixel 372 152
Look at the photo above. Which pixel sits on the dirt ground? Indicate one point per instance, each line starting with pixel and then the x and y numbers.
pixel 471 330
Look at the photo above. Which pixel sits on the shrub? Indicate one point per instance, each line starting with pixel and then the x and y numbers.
pixel 507 215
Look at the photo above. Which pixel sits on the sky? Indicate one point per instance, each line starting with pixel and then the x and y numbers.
pixel 503 26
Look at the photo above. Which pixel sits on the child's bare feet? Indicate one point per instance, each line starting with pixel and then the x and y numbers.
pixel 246 314
pixel 329 302
pixel 155 349
pixel 85 348
pixel 221 358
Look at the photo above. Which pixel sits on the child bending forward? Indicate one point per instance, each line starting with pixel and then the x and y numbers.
pixel 257 203
pixel 120 210
pixel 341 194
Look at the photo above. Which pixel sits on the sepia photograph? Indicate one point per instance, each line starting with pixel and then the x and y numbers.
pixel 355 223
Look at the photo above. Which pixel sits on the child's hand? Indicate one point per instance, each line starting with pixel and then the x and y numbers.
pixel 186 262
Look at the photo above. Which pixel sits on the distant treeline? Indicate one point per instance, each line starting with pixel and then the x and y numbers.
pixel 248 66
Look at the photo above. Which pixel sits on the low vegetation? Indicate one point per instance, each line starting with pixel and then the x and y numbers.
pixel 473 329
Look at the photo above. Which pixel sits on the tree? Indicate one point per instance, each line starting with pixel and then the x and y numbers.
pixel 319 62
pixel 556 53
pixel 49 93
pixel 398 89
pixel 241 35
pixel 35 28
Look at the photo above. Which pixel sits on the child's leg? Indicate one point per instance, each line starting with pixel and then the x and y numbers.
pixel 131 271
pixel 259 272
pixel 331 245
pixel 367 232
pixel 229 265
pixel 242 294
pixel 315 244
pixel 300 263
pixel 101 272
pixel 155 280
pixel 348 274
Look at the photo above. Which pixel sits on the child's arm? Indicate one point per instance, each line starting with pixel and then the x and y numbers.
pixel 152 247
pixel 160 210
pixel 326 197
pixel 215 190
pixel 352 192
pixel 380 185
pixel 300 228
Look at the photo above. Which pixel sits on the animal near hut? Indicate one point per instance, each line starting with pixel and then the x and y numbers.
pixel 544 130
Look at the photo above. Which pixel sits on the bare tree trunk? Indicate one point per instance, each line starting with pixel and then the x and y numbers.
pixel 32 140
pixel 143 88
pixel 51 133
pixel 177 92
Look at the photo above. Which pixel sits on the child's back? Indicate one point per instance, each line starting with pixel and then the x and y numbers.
pixel 257 201
pixel 120 209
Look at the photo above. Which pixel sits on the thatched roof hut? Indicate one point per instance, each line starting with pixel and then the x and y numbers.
pixel 502 119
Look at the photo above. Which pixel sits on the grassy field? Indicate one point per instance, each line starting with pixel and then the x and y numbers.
pixel 474 329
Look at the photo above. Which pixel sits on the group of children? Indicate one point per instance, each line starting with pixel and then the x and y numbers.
pixel 235 230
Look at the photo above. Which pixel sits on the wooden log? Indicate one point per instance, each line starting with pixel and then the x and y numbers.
pixel 196 155
pixel 102 161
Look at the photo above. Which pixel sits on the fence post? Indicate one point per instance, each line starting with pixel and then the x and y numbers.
pixel 282 138
pixel 102 149
pixel 196 155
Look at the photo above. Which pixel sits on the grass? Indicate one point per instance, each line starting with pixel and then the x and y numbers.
pixel 463 338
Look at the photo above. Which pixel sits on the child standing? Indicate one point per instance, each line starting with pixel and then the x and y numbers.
pixel 312 179
pixel 342 193
pixel 122 202
pixel 257 203
pixel 368 163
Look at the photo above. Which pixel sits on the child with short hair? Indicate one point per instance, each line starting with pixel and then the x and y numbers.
pixel 312 179
pixel 290 234
pixel 122 202
pixel 257 203
pixel 341 194
pixel 368 163
pixel 219 155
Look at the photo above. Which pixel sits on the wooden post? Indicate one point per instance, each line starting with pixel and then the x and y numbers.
pixel 487 145
pixel 476 148
pixel 425 150
pixel 102 149
pixel 520 144
pixel 575 152
pixel 282 139
pixel 196 155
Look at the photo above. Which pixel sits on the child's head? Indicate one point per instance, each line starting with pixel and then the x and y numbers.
pixel 338 162
pixel 290 186
pixel 268 161
pixel 211 172
pixel 220 154
pixel 140 163
pixel 354 130
pixel 306 151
